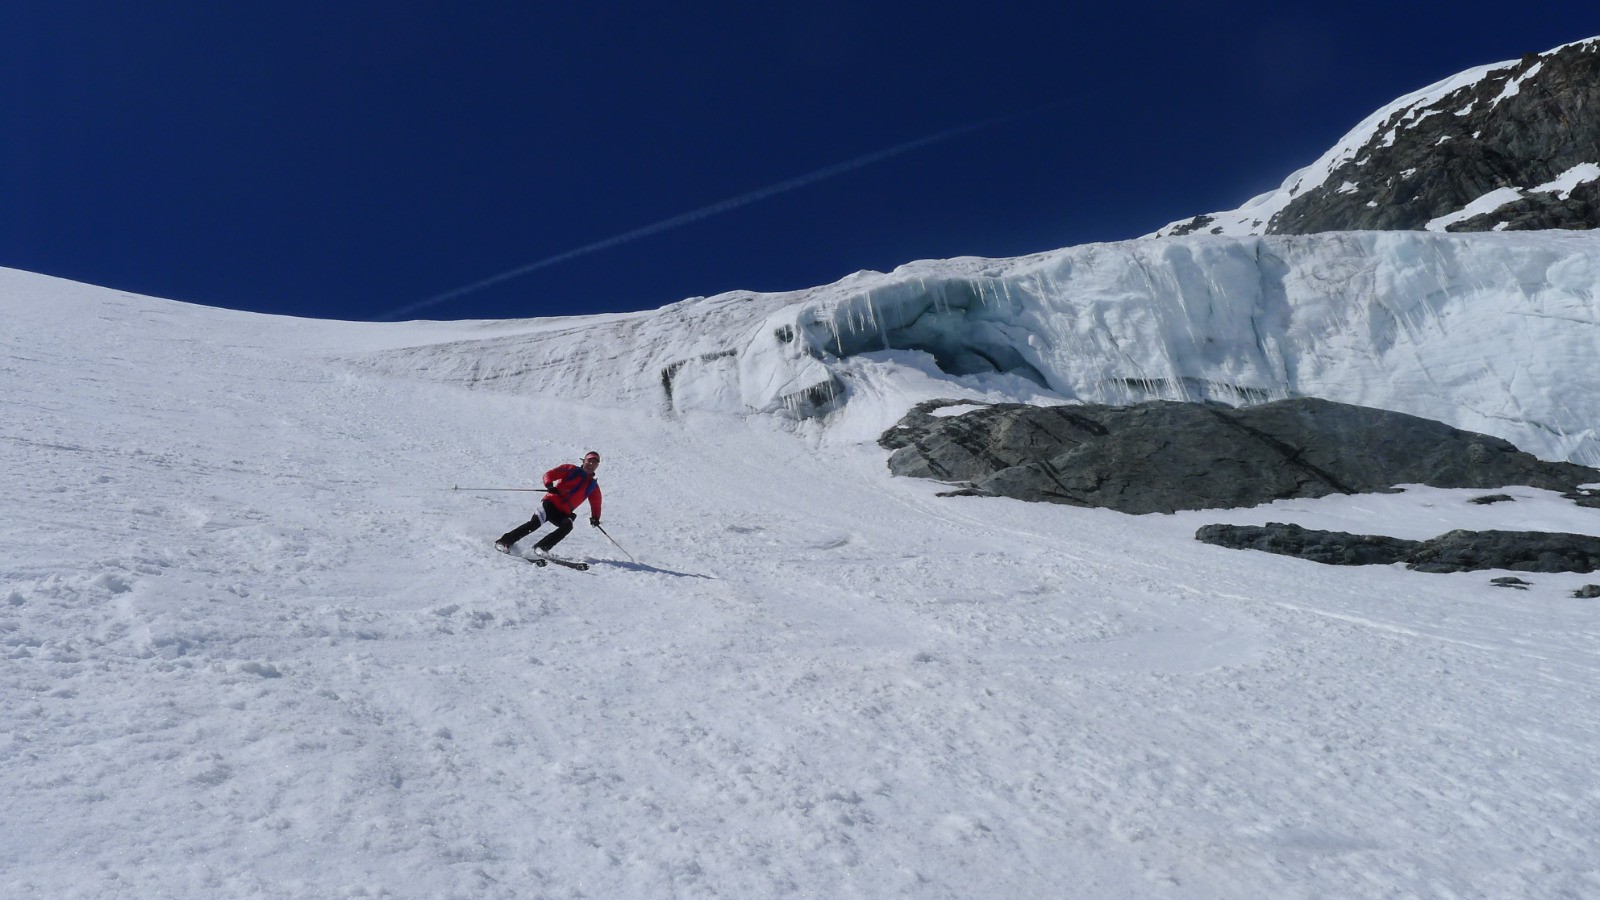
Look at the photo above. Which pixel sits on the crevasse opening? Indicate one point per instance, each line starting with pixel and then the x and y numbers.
pixel 968 326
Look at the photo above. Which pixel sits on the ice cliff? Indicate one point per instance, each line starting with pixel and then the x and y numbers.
pixel 1495 333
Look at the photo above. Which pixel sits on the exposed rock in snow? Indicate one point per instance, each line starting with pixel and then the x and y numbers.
pixel 1519 551
pixel 1513 127
pixel 1492 498
pixel 1163 456
pixel 1334 548
pixel 1455 551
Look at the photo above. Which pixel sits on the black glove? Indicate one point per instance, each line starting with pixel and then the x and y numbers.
pixel 594 521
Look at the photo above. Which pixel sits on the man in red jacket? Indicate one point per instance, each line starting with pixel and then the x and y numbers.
pixel 567 486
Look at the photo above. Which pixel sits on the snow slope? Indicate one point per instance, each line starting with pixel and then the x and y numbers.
pixel 251 645
pixel 1495 333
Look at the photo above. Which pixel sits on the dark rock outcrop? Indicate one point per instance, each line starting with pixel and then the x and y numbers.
pixel 1586 497
pixel 1335 548
pixel 1455 551
pixel 1165 456
pixel 1519 551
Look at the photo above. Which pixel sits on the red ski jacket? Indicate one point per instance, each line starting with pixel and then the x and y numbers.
pixel 570 486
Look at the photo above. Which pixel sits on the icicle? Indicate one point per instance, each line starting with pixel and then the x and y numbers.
pixel 877 321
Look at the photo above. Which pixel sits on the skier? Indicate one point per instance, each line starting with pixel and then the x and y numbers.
pixel 567 487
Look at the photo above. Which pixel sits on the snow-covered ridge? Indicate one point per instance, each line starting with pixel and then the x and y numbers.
pixel 1483 142
pixel 1253 216
pixel 1491 332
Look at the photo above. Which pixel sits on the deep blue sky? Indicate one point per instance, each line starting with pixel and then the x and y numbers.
pixel 347 159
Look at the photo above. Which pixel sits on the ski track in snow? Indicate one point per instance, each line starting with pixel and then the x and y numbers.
pixel 251 645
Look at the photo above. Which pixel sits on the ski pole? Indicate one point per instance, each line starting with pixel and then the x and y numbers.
pixel 619 546
pixel 530 490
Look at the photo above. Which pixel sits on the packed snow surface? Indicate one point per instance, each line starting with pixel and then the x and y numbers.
pixel 252 644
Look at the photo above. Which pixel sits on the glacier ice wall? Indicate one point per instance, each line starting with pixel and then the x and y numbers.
pixel 1495 333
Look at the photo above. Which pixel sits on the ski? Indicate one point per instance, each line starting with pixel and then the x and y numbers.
pixel 569 563
pixel 540 561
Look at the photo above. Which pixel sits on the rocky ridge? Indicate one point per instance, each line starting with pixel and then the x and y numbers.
pixel 1513 146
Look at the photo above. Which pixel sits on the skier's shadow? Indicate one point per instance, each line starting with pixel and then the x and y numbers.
pixel 641 567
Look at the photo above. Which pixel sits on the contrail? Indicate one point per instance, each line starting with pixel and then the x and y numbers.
pixel 705 212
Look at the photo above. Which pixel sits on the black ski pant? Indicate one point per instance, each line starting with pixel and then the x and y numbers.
pixel 562 521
